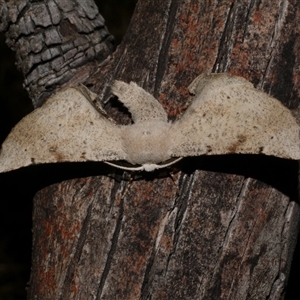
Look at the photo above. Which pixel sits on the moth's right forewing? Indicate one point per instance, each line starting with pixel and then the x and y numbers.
pixel 229 116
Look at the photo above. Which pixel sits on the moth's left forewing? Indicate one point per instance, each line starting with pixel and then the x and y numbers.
pixel 227 115
pixel 67 128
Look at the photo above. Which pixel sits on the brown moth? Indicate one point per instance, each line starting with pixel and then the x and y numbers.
pixel 226 115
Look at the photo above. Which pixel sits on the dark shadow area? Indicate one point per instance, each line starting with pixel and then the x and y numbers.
pixel 293 289
pixel 117 14
pixel 16 205
pixel 282 174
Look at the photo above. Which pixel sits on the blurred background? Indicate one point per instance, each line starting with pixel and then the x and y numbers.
pixel 18 188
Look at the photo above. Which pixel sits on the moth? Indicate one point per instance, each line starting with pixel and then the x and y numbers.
pixel 226 115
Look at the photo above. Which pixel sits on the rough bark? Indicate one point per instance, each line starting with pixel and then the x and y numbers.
pixel 55 42
pixel 219 227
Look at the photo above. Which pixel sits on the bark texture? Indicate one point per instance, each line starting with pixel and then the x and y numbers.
pixel 52 40
pixel 221 227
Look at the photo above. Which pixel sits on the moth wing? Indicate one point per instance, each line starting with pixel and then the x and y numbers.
pixel 142 105
pixel 228 115
pixel 67 128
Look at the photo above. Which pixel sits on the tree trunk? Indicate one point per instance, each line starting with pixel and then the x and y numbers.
pixel 222 227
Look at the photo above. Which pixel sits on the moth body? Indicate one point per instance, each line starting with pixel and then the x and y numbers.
pixel 146 143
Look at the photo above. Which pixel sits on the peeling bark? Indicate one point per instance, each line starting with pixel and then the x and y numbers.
pixel 223 227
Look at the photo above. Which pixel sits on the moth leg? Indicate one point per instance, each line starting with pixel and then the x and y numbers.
pixel 142 105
